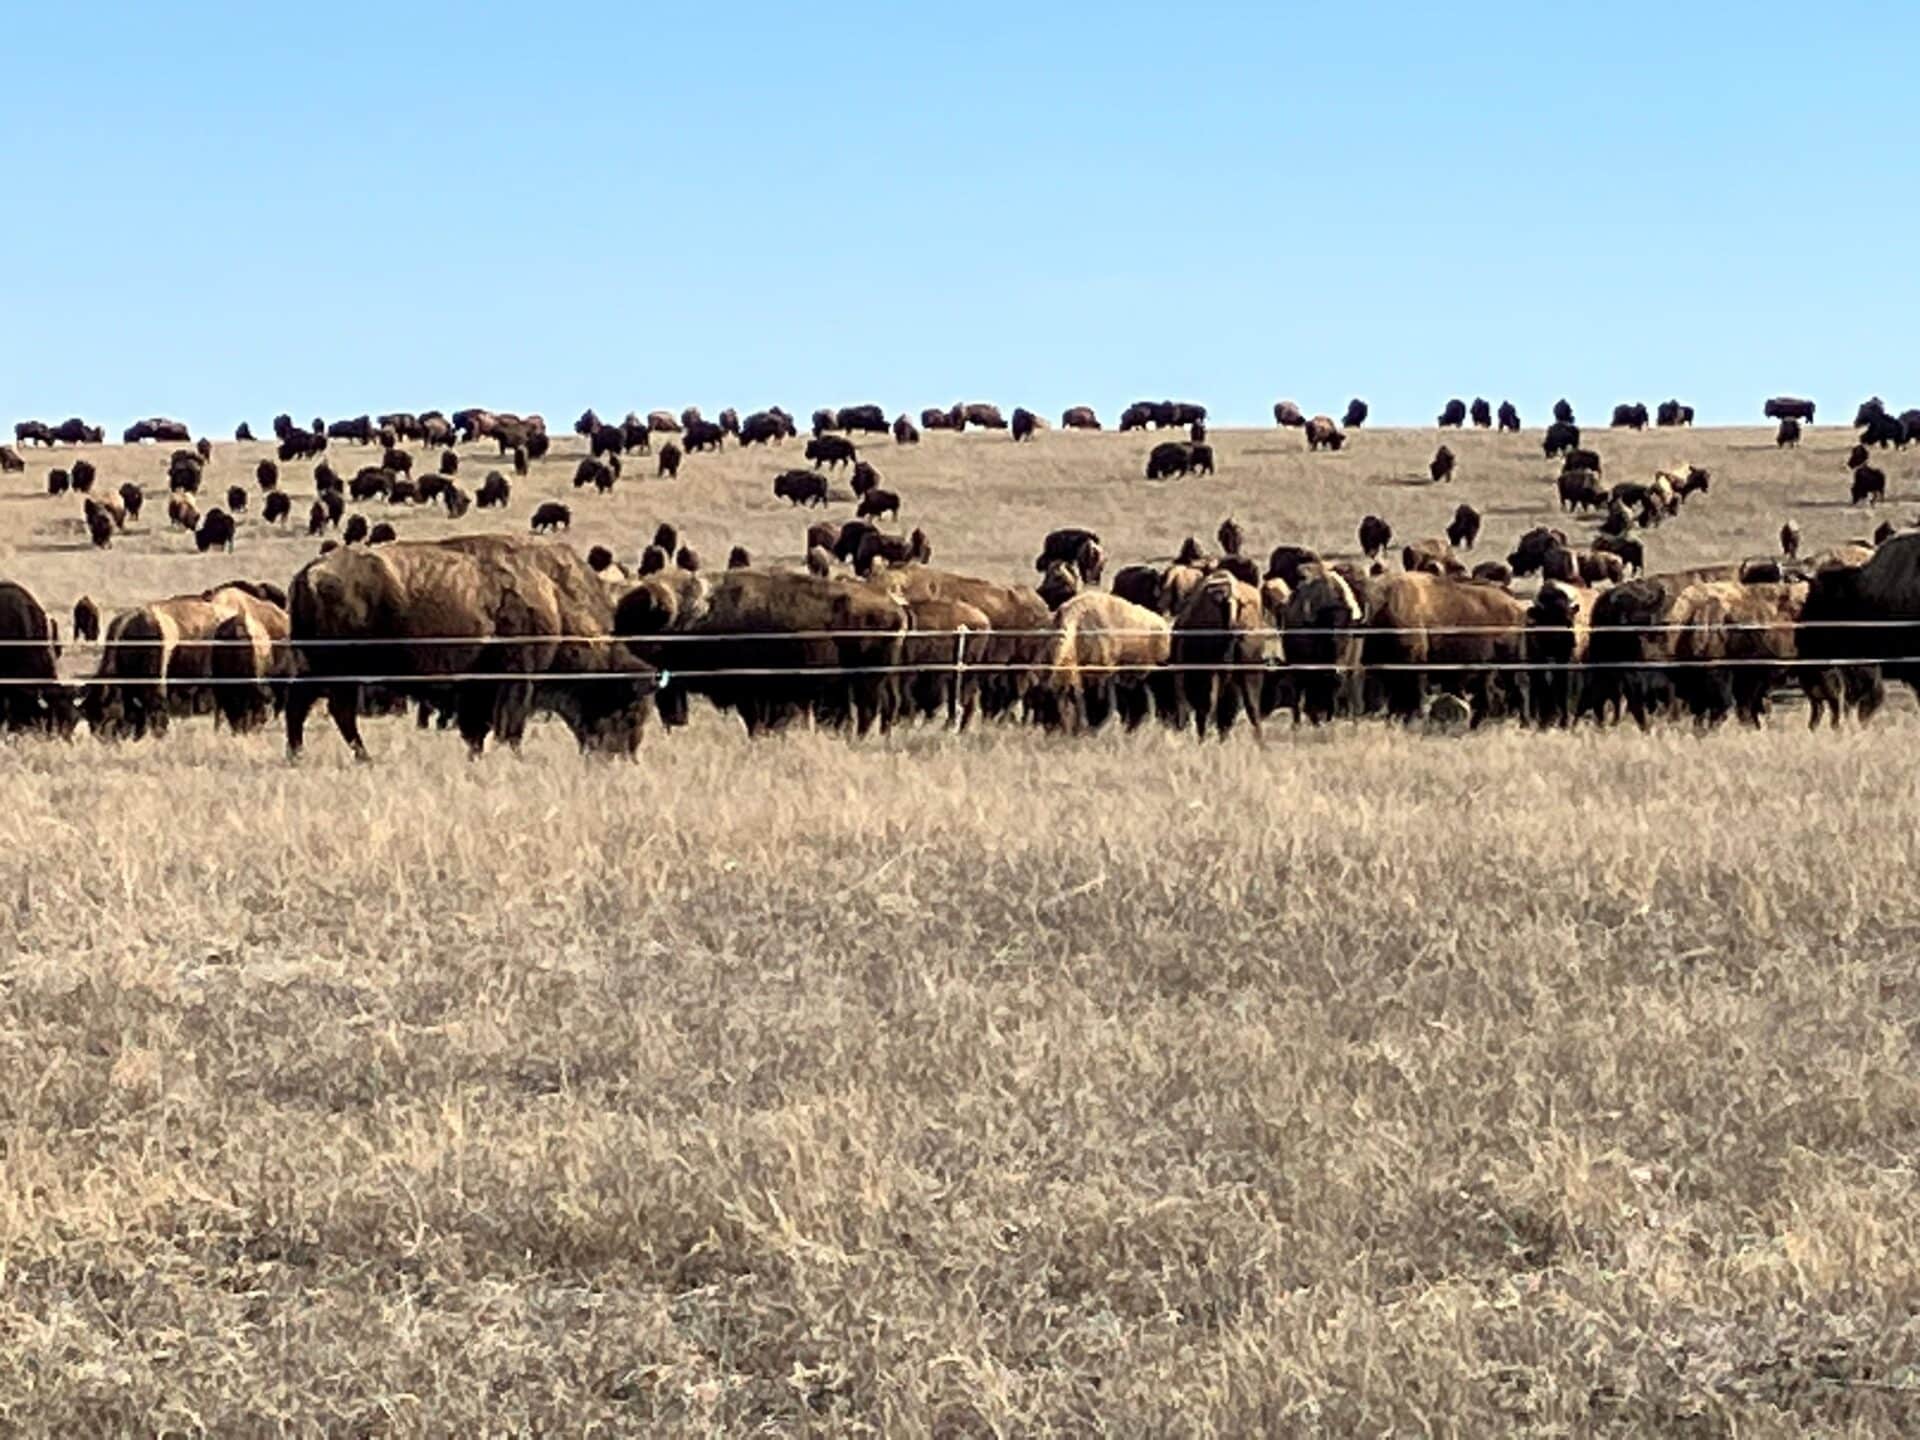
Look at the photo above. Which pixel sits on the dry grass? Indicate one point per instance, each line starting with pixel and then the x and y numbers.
pixel 1356 1082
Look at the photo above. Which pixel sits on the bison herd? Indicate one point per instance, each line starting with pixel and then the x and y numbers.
pixel 480 633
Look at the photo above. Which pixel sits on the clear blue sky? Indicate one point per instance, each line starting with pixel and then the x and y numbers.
pixel 237 208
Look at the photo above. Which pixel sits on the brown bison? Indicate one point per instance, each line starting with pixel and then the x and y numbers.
pixel 1322 433
pixel 1356 415
pixel 1481 413
pixel 550 516
pixel 800 487
pixel 826 451
pixel 1289 415
pixel 1223 645
pixel 1463 530
pixel 10 461
pixel 32 699
pixel 1322 645
pixel 1787 407
pixel 1105 658
pixel 905 432
pixel 893 551
pixel 1080 417
pixel 1375 535
pixel 535 624
pixel 1429 630
pixel 876 503
pixel 1441 467
pixel 1026 424
pixel 1075 547
pixel 1452 415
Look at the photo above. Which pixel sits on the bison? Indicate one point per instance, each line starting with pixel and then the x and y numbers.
pixel 1453 415
pixel 1561 436
pixel 550 516
pixel 1788 407
pixel 1481 413
pixel 1375 536
pixel 830 450
pixel 669 467
pixel 800 487
pixel 1080 417
pixel 1441 466
pixel 1322 433
pixel 1464 529
pixel 1508 418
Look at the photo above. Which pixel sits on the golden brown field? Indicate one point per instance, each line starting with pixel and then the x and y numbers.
pixel 1355 1081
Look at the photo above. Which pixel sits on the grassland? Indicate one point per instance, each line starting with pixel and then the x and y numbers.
pixel 1353 1082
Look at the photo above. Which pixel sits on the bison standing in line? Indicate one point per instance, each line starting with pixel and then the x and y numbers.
pixel 1509 418
pixel 1453 415
pixel 1480 413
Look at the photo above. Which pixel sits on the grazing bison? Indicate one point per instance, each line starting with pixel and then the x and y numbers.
pixel 663 422
pixel 266 475
pixel 1631 552
pixel 1356 414
pixel 830 450
pixel 1884 430
pixel 1788 407
pixel 1509 418
pixel 704 435
pixel 86 619
pixel 1453 415
pixel 1600 565
pixel 1582 490
pixel 870 419
pixel 495 490
pixel 236 498
pixel 1788 434
pixel 382 534
pixel 32 699
pixel 361 429
pixel 1428 630
pixel 243 434
pixel 905 432
pixel 1375 536
pixel 1170 457
pixel 1074 547
pixel 1290 415
pixel 1530 553
pixel 182 514
pixel 1104 658
pixel 1432 555
pixel 1629 417
pixel 1492 572
pixel 276 508
pixel 1481 413
pixel 892 550
pixel 1555 643
pixel 527 610
pixel 1026 424
pixel 158 427
pixel 669 467
pixel 552 515
pixel 1322 433
pixel 876 503
pixel 606 440
pixel 800 487
pixel 1561 436
pixel 1869 485
pixel 250 662
pixel 59 481
pixel 1670 413
pixel 32 432
pixel 763 427
pixel 935 419
pixel 10 461
pixel 357 529
pixel 301 445
pixel 449 462
pixel 1080 417
pixel 1464 529
pixel 156 660
pixel 595 473
pixel 1441 466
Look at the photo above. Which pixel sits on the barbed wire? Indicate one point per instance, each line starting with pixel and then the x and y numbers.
pixel 672 638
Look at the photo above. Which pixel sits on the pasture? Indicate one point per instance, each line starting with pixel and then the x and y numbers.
pixel 1351 1081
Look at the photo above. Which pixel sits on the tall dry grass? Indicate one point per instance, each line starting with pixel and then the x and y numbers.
pixel 1353 1082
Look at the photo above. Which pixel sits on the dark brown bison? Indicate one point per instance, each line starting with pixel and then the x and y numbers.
pixel 1073 547
pixel 1508 418
pixel 1026 424
pixel 878 502
pixel 1788 434
pixel 1080 417
pixel 59 480
pixel 1582 490
pixel 800 487
pixel 865 477
pixel 75 431
pixel 830 450
pixel 32 432
pixel 361 428
pixel 158 427
pixel 495 490
pixel 1629 416
pixel 763 427
pixel 933 419
pixel 669 466
pixel 357 529
pixel 1670 413
pixel 595 473
pixel 1375 536
pixel 893 551
pixel 1869 485
pixel 276 508
pixel 1288 414
pixel 301 445
pixel 1561 436
pixel 1481 413
pixel 1441 467
pixel 1463 531
pixel 905 432
pixel 985 417
pixel 236 498
pixel 1563 412
pixel 1631 551
pixel 1786 407
pixel 1223 644
pixel 552 515
pixel 1453 415
pixel 704 435
pixel 529 610
pixel 250 663
pixel 32 699
pixel 100 526
pixel 132 498
pixel 1356 415
pixel 1790 540
pixel 1531 551
pixel 155 660
pixel 181 513
pixel 1169 458
pixel 862 419
pixel 663 422
pixel 184 471
pixel 10 461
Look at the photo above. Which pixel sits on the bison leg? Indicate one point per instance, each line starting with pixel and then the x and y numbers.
pixel 475 707
pixel 343 703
